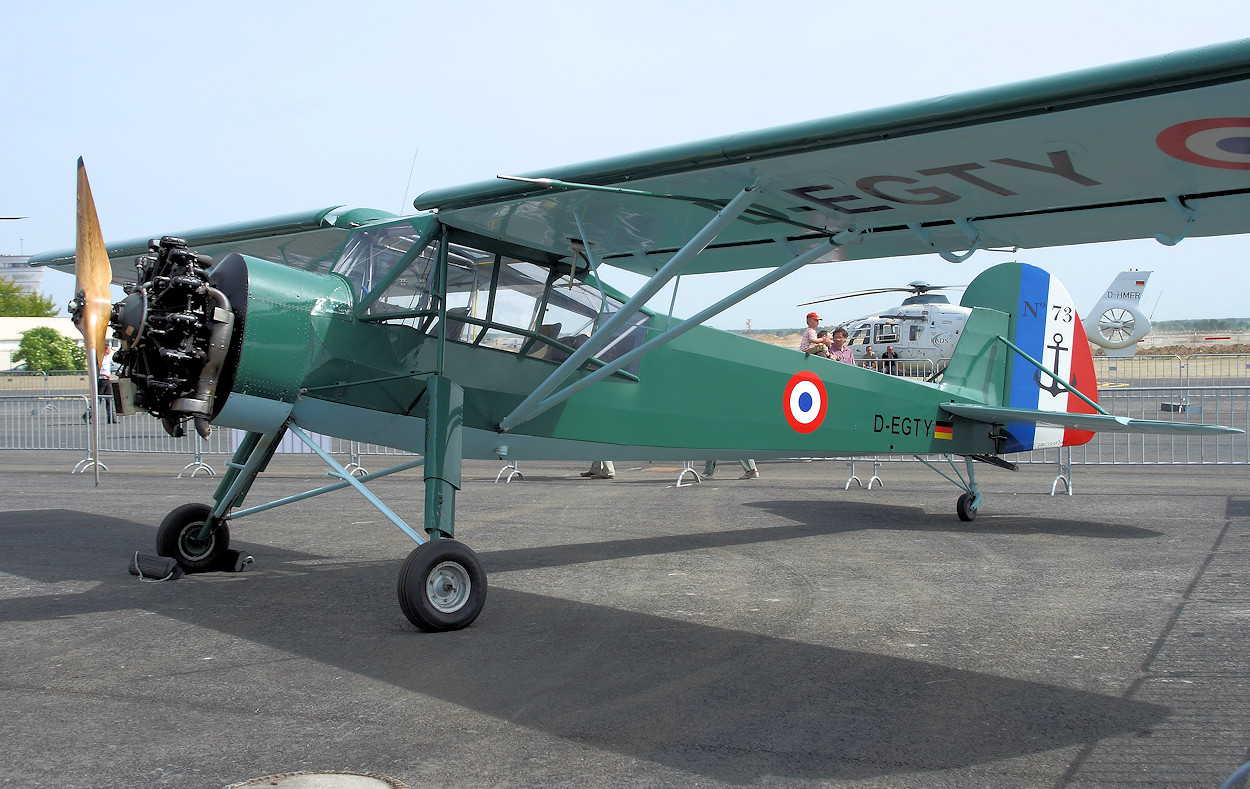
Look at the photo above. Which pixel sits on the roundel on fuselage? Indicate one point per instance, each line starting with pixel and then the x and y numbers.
pixel 805 401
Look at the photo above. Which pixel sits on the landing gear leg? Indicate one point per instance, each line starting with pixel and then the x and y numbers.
pixel 970 501
pixel 967 505
pixel 444 415
pixel 442 585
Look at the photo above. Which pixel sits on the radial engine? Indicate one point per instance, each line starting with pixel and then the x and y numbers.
pixel 175 330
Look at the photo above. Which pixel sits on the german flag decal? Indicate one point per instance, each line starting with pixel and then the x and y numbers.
pixel 944 430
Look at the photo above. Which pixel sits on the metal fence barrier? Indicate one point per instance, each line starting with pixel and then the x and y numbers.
pixel 43 422
pixel 60 422
pixel 54 382
pixel 1193 370
pixel 1213 405
pixel 48 411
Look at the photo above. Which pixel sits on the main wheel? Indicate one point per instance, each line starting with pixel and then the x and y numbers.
pixel 176 538
pixel 442 586
pixel 964 507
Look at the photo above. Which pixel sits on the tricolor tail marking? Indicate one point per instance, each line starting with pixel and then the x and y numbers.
pixel 1049 330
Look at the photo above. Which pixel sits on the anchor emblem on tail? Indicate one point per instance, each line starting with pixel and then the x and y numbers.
pixel 1054 387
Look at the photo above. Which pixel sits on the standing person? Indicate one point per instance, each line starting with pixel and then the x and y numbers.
pixel 811 343
pixel 749 471
pixel 601 469
pixel 838 351
pixel 888 365
pixel 104 382
pixel 870 358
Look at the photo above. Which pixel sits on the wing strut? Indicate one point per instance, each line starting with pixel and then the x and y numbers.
pixel 1051 373
pixel 660 339
pixel 723 218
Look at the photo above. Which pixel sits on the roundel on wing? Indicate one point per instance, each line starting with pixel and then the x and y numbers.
pixel 1211 142
pixel 805 402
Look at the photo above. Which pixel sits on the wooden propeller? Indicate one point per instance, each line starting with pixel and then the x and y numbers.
pixel 92 273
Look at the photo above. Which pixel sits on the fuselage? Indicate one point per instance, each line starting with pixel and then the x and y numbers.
pixel 706 394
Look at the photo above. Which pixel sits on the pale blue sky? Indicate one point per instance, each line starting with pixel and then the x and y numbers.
pixel 193 115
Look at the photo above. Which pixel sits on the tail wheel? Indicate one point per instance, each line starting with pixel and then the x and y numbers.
pixel 178 537
pixel 965 508
pixel 442 586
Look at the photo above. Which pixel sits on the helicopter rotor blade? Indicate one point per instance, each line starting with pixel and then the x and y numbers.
pixel 853 294
pixel 915 288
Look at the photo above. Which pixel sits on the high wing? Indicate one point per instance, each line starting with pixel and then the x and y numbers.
pixel 1150 148
pixel 311 240
pixel 1155 147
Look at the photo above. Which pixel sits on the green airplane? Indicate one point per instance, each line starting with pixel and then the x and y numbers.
pixel 481 328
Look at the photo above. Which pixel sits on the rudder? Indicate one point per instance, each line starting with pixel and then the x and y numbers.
pixel 1043 323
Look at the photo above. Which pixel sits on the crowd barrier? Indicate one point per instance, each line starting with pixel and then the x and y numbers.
pixel 60 422
pixel 48 411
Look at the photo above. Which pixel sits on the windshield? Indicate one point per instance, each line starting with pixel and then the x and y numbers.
pixel 371 253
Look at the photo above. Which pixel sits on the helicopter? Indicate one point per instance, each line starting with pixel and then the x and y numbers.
pixel 924 329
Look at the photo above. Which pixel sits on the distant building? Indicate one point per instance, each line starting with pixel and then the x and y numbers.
pixel 29 279
pixel 14 267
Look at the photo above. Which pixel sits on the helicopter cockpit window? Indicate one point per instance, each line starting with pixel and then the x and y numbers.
pixel 506 304
pixel 886 333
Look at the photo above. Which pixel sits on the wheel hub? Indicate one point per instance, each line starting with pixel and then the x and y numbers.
pixel 448 587
pixel 192 546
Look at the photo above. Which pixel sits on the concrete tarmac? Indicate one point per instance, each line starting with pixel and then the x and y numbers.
pixel 781 632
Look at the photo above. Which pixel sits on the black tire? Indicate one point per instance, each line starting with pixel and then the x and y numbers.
pixel 174 538
pixel 442 586
pixel 965 509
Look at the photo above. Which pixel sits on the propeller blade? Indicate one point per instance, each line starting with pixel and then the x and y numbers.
pixel 92 275
pixel 92 270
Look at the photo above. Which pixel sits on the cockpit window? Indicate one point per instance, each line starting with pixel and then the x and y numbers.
pixel 371 254
pixel 499 302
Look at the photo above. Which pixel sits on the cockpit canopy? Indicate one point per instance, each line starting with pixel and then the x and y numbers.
pixel 543 308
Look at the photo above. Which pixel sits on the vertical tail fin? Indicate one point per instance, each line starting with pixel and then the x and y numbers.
pixel 1117 321
pixel 1043 322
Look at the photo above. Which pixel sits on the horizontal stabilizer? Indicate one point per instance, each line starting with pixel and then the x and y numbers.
pixel 1098 423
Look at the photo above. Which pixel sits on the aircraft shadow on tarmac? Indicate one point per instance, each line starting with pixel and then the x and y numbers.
pixel 890 517
pixel 726 704
pixel 808 518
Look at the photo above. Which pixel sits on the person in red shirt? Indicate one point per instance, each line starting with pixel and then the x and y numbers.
pixel 811 343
